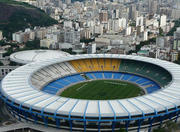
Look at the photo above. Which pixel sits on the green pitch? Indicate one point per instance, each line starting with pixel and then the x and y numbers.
pixel 102 90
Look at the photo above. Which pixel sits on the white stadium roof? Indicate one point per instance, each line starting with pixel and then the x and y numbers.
pixel 17 87
pixel 28 56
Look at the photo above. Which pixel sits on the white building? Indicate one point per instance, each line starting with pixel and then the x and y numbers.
pixel 1 35
pixel 122 23
pixel 128 31
pixel 32 35
pixel 160 42
pixel 98 29
pixel 163 20
pixel 139 21
pixel 18 37
pixel 46 43
pixel 145 36
pixel 68 24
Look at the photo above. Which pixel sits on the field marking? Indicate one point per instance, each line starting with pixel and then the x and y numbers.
pixel 81 87
pixel 116 83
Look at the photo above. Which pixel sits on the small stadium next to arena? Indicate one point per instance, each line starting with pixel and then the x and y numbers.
pixel 95 92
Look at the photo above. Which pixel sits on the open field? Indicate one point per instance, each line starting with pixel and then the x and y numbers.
pixel 102 90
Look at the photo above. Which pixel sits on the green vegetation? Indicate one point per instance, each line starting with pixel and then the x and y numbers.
pixel 132 24
pixel 69 51
pixel 30 45
pixel 138 47
pixel 102 90
pixel 161 33
pixel 177 24
pixel 12 2
pixel 83 40
pixel 1 64
pixel 13 63
pixel 15 16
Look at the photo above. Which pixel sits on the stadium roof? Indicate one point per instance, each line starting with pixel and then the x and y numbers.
pixel 17 87
pixel 28 56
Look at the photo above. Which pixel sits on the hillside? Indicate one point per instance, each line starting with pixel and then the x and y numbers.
pixel 15 16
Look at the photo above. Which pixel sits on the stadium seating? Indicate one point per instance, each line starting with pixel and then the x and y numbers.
pixel 147 70
pixel 108 75
pixel 90 76
pixel 88 65
pixel 100 68
pixel 145 83
pixel 53 72
pixel 98 75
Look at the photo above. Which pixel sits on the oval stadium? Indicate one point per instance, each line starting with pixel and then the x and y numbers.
pixel 95 92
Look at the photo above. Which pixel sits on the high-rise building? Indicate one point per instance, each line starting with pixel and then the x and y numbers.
pixel 115 13
pixel 163 21
pixel 132 12
pixel 128 31
pixel 122 23
pixel 71 36
pixel 176 45
pixel 103 16
pixel 160 42
pixel 1 35
pixel 153 6
pixel 139 21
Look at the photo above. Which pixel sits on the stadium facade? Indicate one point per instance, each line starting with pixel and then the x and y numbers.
pixel 31 93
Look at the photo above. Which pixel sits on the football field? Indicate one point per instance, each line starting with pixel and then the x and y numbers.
pixel 102 90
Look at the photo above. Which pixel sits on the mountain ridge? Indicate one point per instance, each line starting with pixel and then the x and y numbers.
pixel 15 16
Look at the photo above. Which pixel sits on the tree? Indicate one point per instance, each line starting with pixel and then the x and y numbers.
pixel 1 64
pixel 161 32
pixel 177 24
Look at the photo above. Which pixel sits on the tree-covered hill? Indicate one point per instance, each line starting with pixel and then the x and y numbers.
pixel 15 16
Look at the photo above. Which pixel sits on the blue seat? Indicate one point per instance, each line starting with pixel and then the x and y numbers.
pixel 89 75
pixel 152 89
pixel 71 79
pixel 63 82
pixel 143 80
pixel 134 78
pixel 117 75
pixel 79 77
pixel 126 77
pixel 98 75
pixel 108 75
pixel 147 83
pixel 54 84
pixel 50 90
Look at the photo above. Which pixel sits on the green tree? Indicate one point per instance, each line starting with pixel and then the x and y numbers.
pixel 177 24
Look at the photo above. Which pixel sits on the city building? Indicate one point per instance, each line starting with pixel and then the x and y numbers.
pixel 103 16
pixel 1 35
pixel 163 20
pixel 91 48
pixel 46 43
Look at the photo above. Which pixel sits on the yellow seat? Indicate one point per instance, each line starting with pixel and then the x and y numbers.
pixel 87 65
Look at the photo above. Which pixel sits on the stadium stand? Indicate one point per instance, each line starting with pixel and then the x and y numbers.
pixel 26 102
pixel 86 65
pixel 145 83
pixel 146 69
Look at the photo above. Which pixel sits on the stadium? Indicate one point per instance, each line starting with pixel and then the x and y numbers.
pixel 46 92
